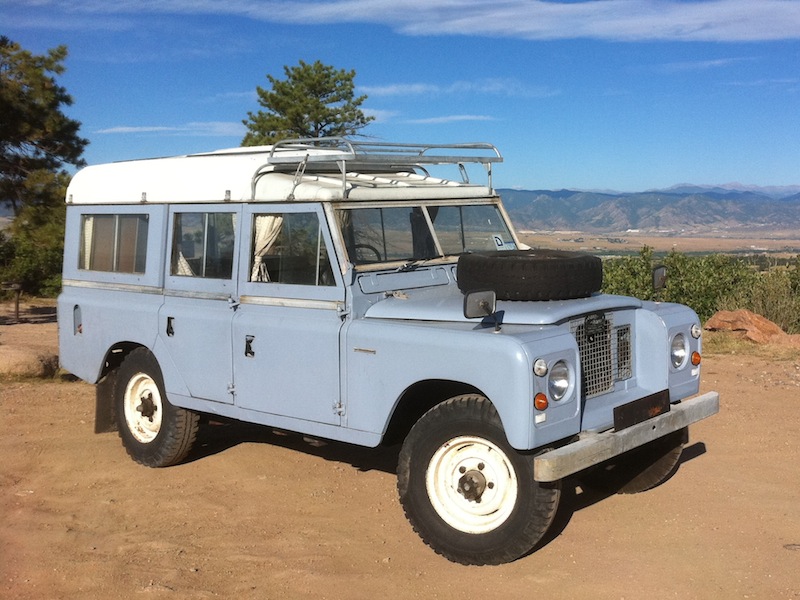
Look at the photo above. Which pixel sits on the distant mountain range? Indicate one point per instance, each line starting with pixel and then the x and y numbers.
pixel 683 208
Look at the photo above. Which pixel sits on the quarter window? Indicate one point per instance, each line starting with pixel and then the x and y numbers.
pixel 113 243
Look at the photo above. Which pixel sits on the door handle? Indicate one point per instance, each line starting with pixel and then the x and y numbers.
pixel 248 346
pixel 170 328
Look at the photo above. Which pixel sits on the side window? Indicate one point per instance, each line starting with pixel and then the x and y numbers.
pixel 202 245
pixel 289 248
pixel 113 243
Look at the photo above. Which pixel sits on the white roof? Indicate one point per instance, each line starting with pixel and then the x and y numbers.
pixel 249 174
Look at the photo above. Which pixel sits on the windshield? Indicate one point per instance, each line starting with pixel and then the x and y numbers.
pixel 419 232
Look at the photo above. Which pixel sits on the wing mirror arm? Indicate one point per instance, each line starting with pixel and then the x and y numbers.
pixel 482 304
pixel 659 278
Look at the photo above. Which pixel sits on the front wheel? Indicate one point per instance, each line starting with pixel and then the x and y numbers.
pixel 154 432
pixel 467 493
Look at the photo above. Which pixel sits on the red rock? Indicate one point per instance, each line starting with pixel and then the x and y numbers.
pixel 749 325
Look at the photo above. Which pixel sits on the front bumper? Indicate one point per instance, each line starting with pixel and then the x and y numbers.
pixel 594 448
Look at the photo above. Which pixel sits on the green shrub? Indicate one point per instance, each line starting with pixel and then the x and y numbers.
pixel 699 282
pixel 773 295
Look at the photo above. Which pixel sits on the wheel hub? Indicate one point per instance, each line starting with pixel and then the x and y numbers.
pixel 471 485
pixel 147 407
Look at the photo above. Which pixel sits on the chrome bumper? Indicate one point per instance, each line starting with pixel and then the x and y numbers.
pixel 594 448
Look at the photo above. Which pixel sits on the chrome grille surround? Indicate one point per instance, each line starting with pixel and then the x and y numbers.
pixel 605 351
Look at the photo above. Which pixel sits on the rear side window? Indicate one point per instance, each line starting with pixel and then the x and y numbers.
pixel 203 244
pixel 113 243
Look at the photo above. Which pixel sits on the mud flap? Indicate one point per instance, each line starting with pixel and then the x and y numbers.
pixel 105 420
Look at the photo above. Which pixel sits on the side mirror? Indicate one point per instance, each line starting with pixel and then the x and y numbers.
pixel 479 304
pixel 659 278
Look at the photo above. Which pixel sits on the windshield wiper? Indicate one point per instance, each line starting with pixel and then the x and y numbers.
pixel 412 265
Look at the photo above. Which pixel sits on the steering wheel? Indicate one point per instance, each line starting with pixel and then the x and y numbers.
pixel 373 249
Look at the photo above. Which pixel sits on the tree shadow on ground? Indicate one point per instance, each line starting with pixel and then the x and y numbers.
pixel 27 314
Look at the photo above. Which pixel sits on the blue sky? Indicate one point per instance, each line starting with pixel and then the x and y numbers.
pixel 590 94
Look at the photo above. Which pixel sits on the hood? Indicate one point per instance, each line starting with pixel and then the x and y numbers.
pixel 446 303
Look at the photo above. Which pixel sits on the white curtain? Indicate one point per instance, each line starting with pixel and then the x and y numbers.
pixel 267 230
pixel 88 232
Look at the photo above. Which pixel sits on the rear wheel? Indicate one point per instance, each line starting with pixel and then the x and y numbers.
pixel 154 432
pixel 467 493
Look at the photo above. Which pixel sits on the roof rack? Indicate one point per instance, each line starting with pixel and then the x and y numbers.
pixel 349 155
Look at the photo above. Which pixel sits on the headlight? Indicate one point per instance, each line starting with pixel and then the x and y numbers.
pixel 678 351
pixel 558 382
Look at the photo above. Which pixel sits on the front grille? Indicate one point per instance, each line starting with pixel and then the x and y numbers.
pixel 605 351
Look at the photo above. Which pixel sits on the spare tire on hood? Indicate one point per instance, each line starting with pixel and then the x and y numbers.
pixel 531 274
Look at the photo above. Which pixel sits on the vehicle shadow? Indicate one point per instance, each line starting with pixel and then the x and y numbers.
pixel 218 435
pixel 577 494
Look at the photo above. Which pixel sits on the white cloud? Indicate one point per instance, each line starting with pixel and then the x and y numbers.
pixel 499 86
pixel 617 20
pixel 381 116
pixel 703 65
pixel 400 89
pixel 450 119
pixel 209 129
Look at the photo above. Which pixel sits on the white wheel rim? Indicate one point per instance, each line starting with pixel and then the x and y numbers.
pixel 143 408
pixel 471 484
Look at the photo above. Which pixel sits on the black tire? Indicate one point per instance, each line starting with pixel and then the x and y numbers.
pixel 154 432
pixel 642 468
pixel 531 274
pixel 466 492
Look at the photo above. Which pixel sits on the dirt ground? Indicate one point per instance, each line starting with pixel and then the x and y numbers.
pixel 255 515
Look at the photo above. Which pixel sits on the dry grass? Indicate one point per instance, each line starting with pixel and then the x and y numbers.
pixel 723 343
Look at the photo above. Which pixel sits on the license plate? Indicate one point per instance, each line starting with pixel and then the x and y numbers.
pixel 641 410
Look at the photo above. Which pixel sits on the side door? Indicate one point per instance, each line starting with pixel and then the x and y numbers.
pixel 286 329
pixel 200 299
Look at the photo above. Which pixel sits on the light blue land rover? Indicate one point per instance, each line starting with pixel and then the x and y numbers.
pixel 349 291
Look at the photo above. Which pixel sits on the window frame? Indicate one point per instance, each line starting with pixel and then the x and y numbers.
pixel 154 254
pixel 288 290
pixel 207 286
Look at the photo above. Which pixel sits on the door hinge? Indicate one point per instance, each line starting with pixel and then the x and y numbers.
pixel 231 389
pixel 338 409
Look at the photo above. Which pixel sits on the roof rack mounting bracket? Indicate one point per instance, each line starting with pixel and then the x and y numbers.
pixel 298 175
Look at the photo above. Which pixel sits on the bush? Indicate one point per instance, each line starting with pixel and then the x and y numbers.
pixel 772 295
pixel 701 283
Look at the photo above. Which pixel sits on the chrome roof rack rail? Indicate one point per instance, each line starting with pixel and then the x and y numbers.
pixel 348 155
